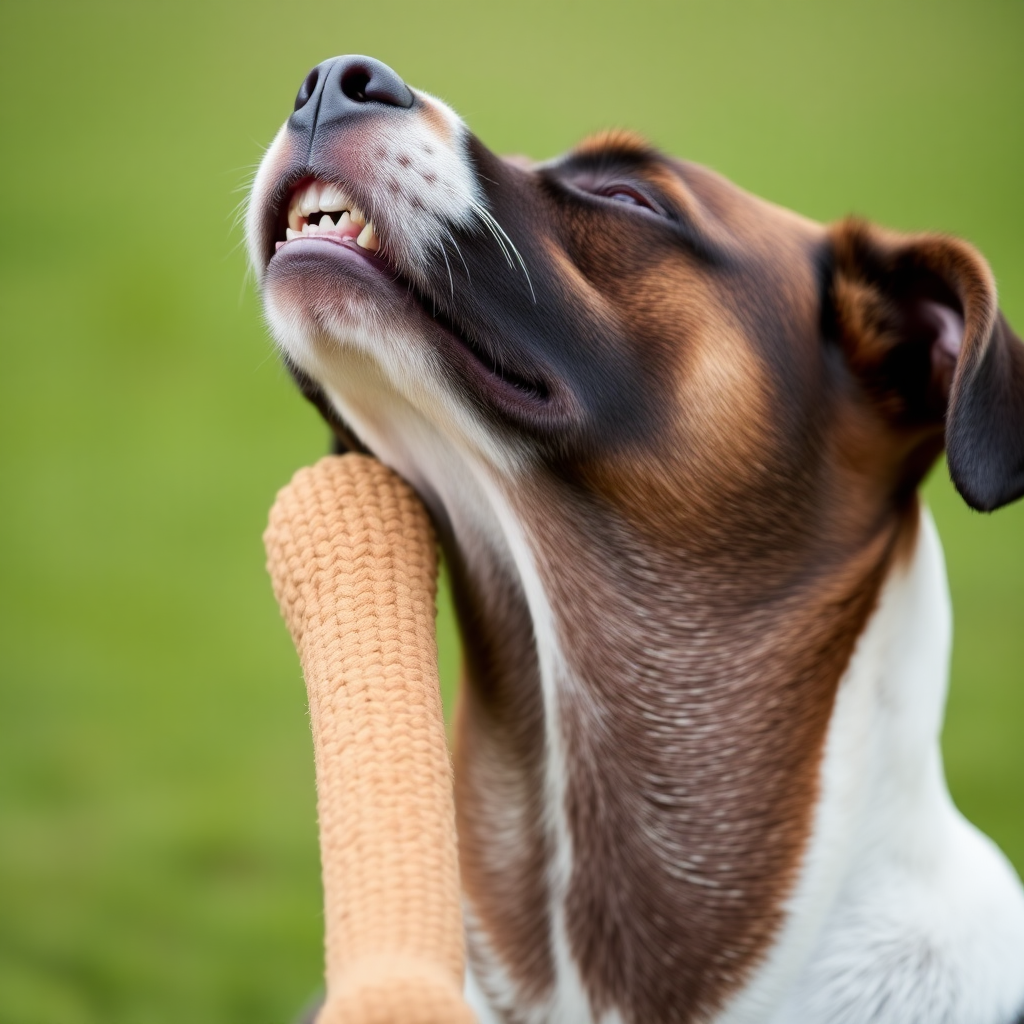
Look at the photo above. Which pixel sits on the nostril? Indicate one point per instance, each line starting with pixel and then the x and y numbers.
pixel 307 89
pixel 365 80
pixel 354 81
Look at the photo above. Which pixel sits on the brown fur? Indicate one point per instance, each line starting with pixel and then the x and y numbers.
pixel 693 749
pixel 705 615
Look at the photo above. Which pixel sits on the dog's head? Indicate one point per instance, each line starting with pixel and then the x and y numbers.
pixel 635 326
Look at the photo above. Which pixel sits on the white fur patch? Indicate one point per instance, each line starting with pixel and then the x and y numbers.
pixel 904 913
pixel 438 189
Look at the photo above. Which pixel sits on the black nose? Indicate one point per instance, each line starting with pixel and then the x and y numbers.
pixel 342 85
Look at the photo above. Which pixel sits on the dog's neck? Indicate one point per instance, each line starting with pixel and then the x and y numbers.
pixel 662 754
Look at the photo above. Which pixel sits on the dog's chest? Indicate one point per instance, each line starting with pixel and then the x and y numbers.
pixel 642 876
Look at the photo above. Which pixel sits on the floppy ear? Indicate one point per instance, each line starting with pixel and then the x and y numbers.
pixel 920 327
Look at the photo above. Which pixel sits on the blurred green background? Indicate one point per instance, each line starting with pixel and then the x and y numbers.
pixel 158 858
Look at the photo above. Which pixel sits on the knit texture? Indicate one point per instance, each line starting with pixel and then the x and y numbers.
pixel 353 560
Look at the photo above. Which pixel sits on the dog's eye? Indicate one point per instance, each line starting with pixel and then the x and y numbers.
pixel 625 194
pixel 618 191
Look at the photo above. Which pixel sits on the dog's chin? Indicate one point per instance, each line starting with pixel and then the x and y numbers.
pixel 319 282
pixel 323 293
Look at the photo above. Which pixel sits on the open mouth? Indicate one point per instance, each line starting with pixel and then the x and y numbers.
pixel 323 211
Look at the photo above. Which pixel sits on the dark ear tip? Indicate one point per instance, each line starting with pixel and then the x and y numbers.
pixel 975 500
pixel 982 484
pixel 985 423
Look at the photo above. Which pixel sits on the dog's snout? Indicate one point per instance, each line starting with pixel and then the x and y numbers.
pixel 342 85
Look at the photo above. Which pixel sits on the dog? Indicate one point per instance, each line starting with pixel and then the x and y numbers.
pixel 671 436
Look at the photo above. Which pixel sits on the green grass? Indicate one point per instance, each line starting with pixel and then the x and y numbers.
pixel 158 856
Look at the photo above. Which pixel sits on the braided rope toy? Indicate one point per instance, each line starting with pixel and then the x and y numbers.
pixel 353 561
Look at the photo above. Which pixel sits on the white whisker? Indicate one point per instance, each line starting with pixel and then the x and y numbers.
pixel 451 280
pixel 496 230
pixel 508 248
pixel 465 266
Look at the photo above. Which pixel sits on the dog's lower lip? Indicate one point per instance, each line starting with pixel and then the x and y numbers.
pixel 345 243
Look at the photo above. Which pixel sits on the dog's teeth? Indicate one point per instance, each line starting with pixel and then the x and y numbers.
pixel 310 199
pixel 368 239
pixel 331 200
pixel 310 213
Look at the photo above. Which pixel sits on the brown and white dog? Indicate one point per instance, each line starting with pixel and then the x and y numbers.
pixel 671 435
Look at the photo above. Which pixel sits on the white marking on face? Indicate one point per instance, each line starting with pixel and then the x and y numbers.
pixel 421 185
pixel 417 186
pixel 352 341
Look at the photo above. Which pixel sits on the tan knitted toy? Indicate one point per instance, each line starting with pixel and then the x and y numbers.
pixel 353 559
